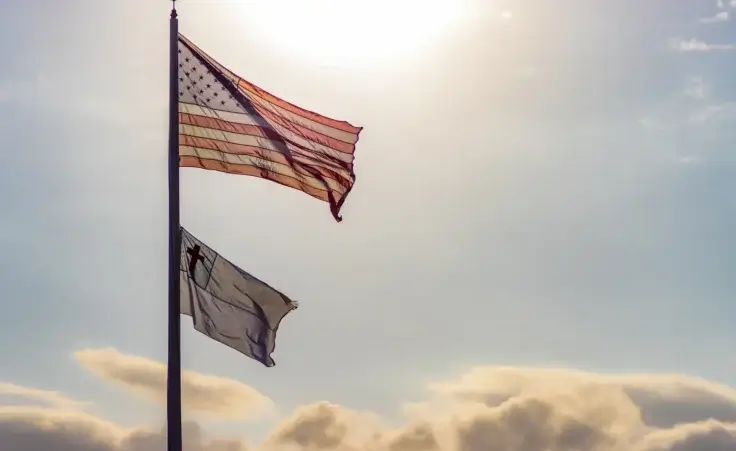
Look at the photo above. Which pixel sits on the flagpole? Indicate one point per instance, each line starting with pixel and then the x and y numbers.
pixel 173 382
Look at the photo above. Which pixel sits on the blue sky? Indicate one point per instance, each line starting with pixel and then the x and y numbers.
pixel 550 189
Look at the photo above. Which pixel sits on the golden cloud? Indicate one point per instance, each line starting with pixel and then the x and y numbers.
pixel 485 409
pixel 35 429
pixel 201 394
pixel 49 397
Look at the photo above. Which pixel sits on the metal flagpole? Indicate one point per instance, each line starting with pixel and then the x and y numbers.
pixel 173 383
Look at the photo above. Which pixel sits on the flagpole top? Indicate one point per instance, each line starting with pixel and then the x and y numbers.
pixel 173 9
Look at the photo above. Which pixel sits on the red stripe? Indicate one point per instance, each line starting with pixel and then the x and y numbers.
pixel 270 98
pixel 267 154
pixel 255 130
pixel 305 156
pixel 305 133
pixel 243 169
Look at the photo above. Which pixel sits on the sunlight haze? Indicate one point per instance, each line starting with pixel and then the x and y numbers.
pixel 538 252
pixel 354 32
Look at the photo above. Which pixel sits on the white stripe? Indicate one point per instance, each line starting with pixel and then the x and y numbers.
pixel 245 118
pixel 279 168
pixel 236 138
pixel 313 159
pixel 326 130
pixel 240 118
pixel 288 115
pixel 320 152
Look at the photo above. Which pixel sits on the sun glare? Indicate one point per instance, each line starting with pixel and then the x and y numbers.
pixel 350 32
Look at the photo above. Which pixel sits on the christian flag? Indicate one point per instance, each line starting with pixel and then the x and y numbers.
pixel 227 304
pixel 228 124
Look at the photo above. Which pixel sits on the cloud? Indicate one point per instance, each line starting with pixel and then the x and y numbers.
pixel 528 409
pixel 35 429
pixel 694 45
pixel 651 124
pixel 52 398
pixel 719 17
pixel 207 395
pixel 722 112
pixel 324 426
pixel 690 159
pixel 697 88
pixel 484 409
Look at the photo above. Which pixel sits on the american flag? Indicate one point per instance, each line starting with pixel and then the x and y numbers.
pixel 230 125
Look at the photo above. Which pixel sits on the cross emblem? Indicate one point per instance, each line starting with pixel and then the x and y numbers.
pixel 195 257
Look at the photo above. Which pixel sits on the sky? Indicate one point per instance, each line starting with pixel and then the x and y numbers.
pixel 536 254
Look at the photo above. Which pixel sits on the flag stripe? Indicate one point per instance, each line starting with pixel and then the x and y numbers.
pixel 217 165
pixel 252 140
pixel 270 98
pixel 228 147
pixel 274 110
pixel 245 118
pixel 230 125
pixel 264 164
pixel 345 160
pixel 221 147
pixel 265 132
pixel 273 118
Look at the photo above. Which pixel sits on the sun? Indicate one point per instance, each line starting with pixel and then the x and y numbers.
pixel 350 32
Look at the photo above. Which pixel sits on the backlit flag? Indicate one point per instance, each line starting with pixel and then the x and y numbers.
pixel 230 125
pixel 227 304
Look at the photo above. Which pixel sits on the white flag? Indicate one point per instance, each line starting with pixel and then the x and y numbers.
pixel 227 304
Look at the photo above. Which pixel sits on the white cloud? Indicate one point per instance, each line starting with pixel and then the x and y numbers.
pixel 722 16
pixel 694 45
pixel 697 88
pixel 690 159
pixel 723 111
pixel 207 395
pixel 651 124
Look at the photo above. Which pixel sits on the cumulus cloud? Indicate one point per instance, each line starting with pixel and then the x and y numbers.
pixel 207 395
pixel 526 409
pixel 36 429
pixel 484 409
pixel 694 45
